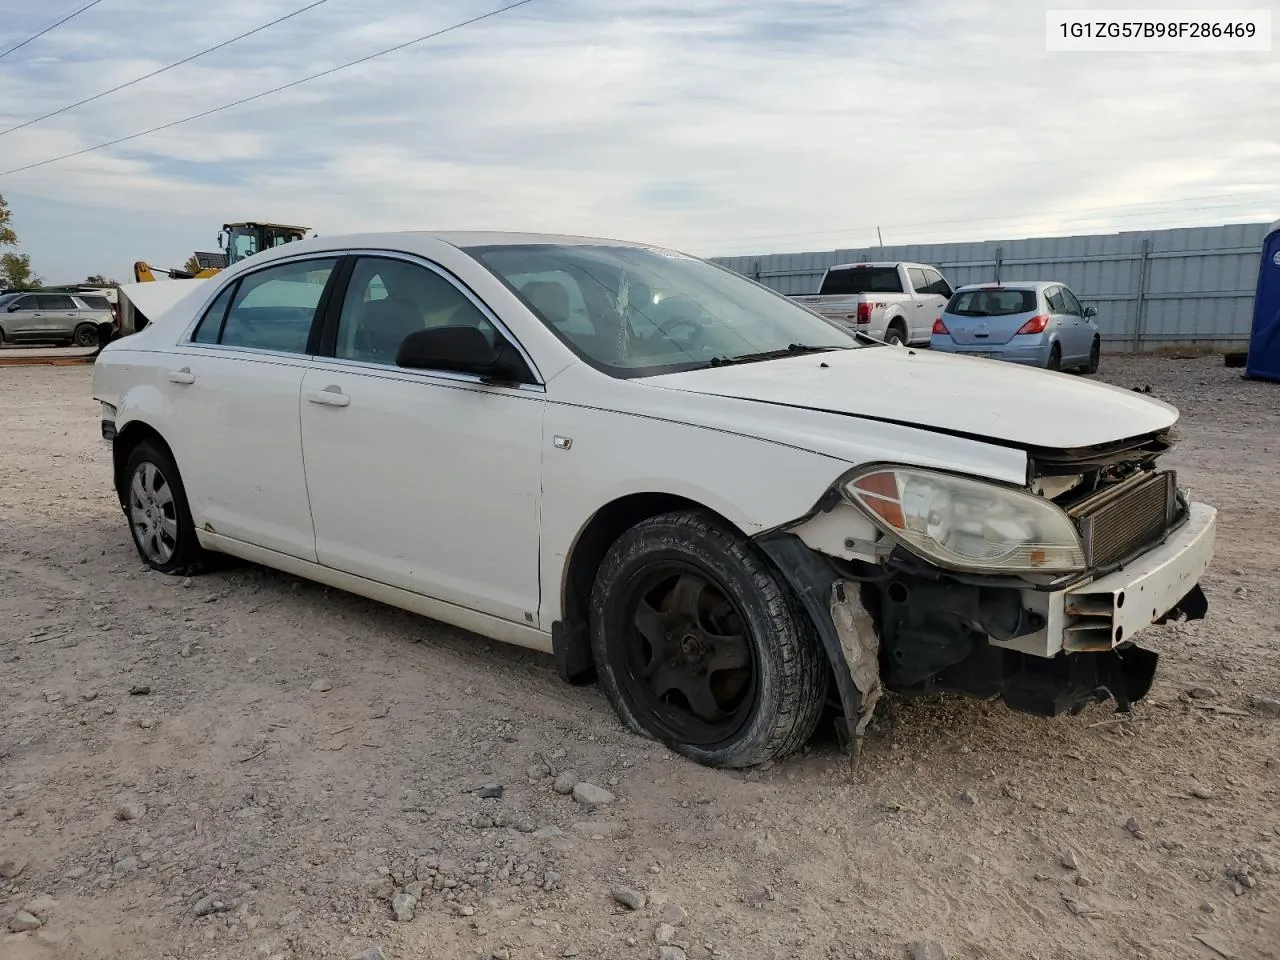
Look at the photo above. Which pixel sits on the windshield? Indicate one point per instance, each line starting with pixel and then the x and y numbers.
pixel 992 303
pixel 640 311
pixel 851 281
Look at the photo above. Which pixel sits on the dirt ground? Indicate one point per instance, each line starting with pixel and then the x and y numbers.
pixel 304 755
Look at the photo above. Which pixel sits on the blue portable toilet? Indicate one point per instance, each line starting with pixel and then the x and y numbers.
pixel 1264 342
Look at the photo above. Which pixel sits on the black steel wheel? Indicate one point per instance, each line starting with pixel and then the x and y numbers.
pixel 700 645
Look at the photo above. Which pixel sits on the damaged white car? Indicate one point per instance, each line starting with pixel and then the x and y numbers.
pixel 731 511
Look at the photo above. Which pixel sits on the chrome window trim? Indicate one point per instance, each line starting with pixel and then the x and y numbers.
pixel 384 371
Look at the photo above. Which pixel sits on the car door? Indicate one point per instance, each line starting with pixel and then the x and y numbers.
pixel 22 318
pixel 60 315
pixel 938 293
pixel 424 480
pixel 1059 321
pixel 234 384
pixel 1081 331
pixel 919 306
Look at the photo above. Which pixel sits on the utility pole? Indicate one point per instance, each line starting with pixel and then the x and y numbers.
pixel 881 239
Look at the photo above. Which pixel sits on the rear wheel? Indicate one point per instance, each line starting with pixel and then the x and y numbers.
pixel 159 517
pixel 1 338
pixel 1055 358
pixel 86 335
pixel 895 336
pixel 1095 356
pixel 699 644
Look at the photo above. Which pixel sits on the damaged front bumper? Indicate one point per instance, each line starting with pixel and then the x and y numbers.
pixel 1042 651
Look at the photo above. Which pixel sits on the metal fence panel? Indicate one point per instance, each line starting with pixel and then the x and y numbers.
pixel 1153 288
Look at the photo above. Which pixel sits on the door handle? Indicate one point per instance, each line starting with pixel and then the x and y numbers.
pixel 329 397
pixel 182 376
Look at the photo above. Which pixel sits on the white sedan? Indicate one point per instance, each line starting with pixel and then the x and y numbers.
pixel 731 511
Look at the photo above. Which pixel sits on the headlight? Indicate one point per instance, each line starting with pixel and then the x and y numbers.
pixel 967 524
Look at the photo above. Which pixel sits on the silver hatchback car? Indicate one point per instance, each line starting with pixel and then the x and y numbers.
pixel 63 318
pixel 1034 322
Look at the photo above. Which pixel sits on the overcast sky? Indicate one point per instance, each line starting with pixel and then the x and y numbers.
pixel 714 126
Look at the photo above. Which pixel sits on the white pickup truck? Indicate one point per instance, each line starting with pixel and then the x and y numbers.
pixel 894 302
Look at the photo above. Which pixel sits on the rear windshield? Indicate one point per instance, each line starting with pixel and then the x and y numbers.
pixel 850 281
pixel 992 303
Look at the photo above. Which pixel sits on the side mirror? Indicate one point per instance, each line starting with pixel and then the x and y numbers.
pixel 461 350
pixel 1090 311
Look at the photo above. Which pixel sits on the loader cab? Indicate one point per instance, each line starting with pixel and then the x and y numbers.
pixel 240 240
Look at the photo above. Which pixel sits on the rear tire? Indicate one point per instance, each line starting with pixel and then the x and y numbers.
pixel 1055 358
pixel 1095 356
pixel 86 335
pixel 699 644
pixel 159 517
pixel 1 338
pixel 896 336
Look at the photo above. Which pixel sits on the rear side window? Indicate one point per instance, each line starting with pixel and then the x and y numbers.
pixel 1070 302
pixel 96 303
pixel 211 323
pixel 1057 303
pixel 992 303
pixel 850 281
pixel 270 309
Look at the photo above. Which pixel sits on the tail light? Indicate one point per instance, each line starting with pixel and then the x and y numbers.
pixel 864 313
pixel 1034 325
pixel 940 328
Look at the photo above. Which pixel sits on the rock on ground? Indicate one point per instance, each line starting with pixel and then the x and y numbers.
pixel 588 794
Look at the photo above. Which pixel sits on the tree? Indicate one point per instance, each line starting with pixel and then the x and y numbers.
pixel 192 265
pixel 98 280
pixel 15 271
pixel 7 237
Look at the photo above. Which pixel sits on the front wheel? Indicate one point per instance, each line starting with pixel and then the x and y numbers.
pixel 156 504
pixel 1095 356
pixel 701 646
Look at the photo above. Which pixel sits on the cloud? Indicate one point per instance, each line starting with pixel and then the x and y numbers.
pixel 713 126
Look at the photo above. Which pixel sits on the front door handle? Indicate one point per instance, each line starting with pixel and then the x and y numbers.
pixel 182 376
pixel 329 397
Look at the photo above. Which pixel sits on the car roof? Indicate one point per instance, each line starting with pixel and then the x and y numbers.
pixel 878 263
pixel 1012 285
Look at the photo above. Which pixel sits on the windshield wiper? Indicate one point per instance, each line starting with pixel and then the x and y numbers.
pixel 791 350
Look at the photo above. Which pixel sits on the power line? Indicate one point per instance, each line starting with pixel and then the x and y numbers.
pixel 267 93
pixel 176 63
pixel 37 36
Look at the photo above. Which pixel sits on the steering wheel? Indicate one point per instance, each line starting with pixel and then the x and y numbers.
pixel 687 315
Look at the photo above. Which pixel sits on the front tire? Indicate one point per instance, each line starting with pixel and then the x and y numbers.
pixel 1095 356
pixel 156 505
pixel 701 646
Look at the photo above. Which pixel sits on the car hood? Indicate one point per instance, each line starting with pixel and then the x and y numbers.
pixel 964 396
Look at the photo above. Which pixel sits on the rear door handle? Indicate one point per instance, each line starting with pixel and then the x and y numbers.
pixel 182 376
pixel 329 397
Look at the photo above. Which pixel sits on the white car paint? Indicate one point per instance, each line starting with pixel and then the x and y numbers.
pixel 457 499
pixel 1020 405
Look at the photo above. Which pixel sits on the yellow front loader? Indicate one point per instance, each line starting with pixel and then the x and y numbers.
pixel 237 241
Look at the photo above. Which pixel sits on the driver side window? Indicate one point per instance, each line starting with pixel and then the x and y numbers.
pixel 389 299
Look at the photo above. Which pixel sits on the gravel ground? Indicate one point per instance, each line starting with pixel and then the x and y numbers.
pixel 247 765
